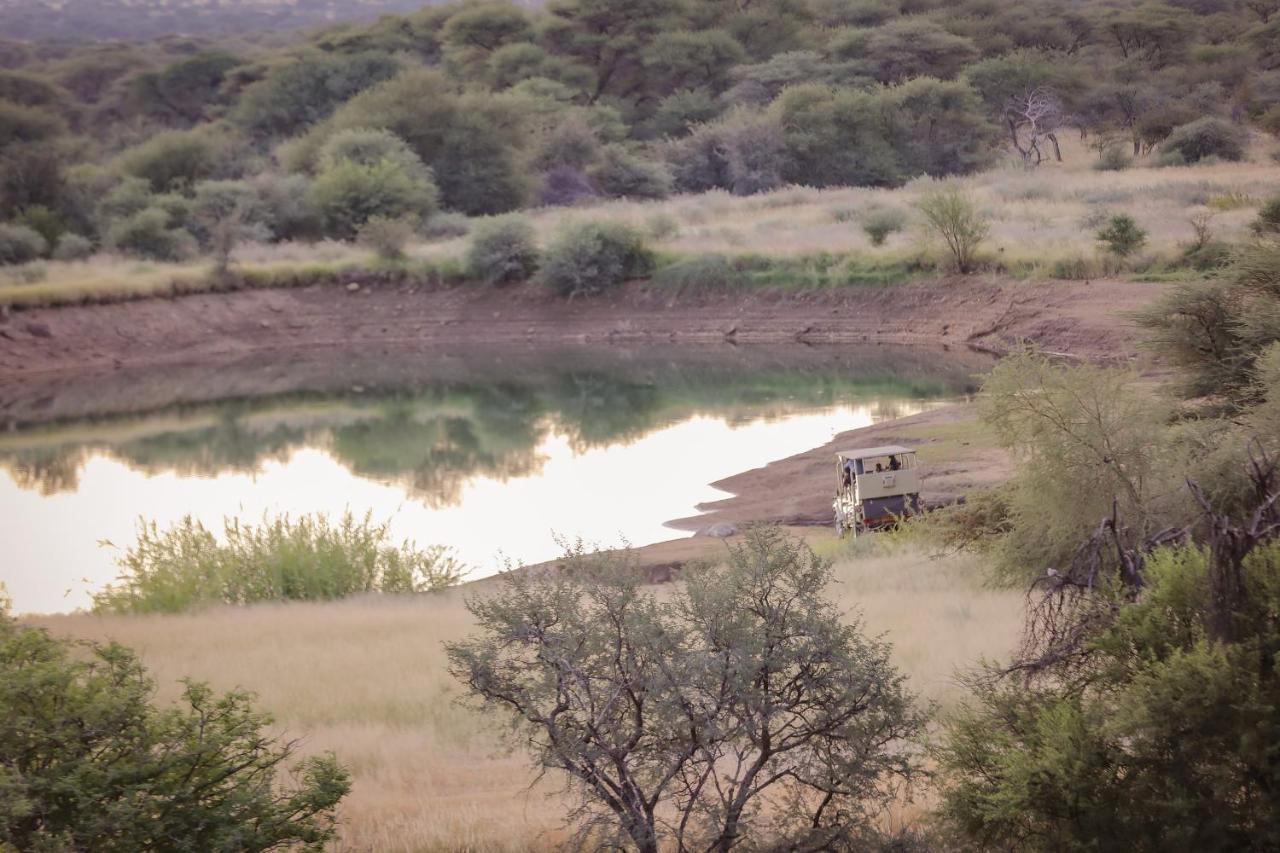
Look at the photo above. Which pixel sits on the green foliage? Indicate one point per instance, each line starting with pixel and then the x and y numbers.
pixel 1084 437
pixel 1113 159
pixel 20 244
pixel 444 226
pixel 879 224
pixel 951 213
pixel 226 213
pixel 591 257
pixel 835 137
pixel 748 660
pixel 387 237
pixel 1167 741
pixel 287 206
pixel 72 247
pixel 1121 235
pixel 91 764
pixel 305 90
pixel 1213 331
pixel 174 160
pixel 281 559
pixel 742 152
pixel 367 173
pixel 185 91
pixel 625 175
pixel 503 250
pixel 148 234
pixel 469 141
pixel 1206 137
pixel 1268 221
pixel 19 124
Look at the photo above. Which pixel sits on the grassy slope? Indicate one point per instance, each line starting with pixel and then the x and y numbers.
pixel 366 678
pixel 1039 218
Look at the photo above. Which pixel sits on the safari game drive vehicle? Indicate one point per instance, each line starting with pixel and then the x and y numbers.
pixel 877 487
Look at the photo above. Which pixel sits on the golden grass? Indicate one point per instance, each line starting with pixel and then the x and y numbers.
pixel 366 678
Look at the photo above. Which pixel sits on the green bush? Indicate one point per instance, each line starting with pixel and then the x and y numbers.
pixel 349 192
pixel 1206 137
pixel 72 247
pixel 593 257
pixel 387 237
pixel 879 224
pixel 624 175
pixel 503 250
pixel 91 764
pixel 708 272
pixel 148 234
pixel 952 214
pixel 446 225
pixel 281 559
pixel 662 226
pixel 1121 235
pixel 1268 221
pixel 174 159
pixel 287 207
pixel 1113 159
pixel 20 244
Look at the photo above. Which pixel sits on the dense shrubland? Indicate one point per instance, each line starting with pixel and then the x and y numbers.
pixel 485 108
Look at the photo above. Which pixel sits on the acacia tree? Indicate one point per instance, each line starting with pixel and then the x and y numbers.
pixel 744 709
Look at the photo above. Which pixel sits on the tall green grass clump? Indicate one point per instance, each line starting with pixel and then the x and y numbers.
pixel 306 558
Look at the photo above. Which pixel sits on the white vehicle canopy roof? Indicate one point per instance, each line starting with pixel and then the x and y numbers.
pixel 871 452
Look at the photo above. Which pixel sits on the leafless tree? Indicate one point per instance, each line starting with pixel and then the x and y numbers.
pixel 1033 118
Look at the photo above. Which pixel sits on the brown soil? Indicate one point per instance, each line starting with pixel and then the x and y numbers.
pixel 1077 318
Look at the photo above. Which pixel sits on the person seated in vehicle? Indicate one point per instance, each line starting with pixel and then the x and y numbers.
pixel 894 464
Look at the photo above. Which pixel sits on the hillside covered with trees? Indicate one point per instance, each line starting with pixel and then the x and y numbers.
pixel 180 145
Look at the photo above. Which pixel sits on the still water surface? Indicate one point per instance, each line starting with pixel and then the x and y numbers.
pixel 494 457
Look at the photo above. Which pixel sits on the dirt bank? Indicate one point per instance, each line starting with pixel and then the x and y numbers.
pixel 1080 318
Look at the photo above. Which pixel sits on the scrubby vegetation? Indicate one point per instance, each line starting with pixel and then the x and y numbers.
pixel 484 109
pixel 280 559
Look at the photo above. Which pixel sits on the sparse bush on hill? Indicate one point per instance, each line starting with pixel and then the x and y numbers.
pixel 148 234
pixel 1113 159
pixel 1121 235
pixel 280 559
pixel 624 175
pixel 91 764
pixel 174 160
pixel 1268 221
pixel 20 244
pixel 591 257
pixel 748 663
pixel 1206 137
pixel 387 236
pixel 503 250
pixel 952 214
pixel 72 247
pixel 879 224
pixel 366 173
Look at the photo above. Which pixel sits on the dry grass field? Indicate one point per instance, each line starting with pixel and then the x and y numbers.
pixel 366 678
pixel 1039 218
